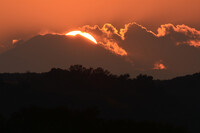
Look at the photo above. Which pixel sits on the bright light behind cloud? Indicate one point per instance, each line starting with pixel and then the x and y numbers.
pixel 84 34
pixel 14 41
pixel 159 66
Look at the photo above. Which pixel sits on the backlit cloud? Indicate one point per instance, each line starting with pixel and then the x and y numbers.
pixel 173 49
pixel 176 46
pixel 182 34
pixel 159 66
pixel 108 37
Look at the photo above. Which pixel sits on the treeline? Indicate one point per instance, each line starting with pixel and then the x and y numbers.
pixel 76 77
pixel 52 120
pixel 120 98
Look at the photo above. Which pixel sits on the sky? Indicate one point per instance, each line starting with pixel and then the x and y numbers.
pixel 22 16
pixel 129 25
pixel 59 15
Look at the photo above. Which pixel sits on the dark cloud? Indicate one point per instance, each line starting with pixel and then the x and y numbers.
pixel 178 47
pixel 172 51
pixel 43 52
pixel 107 36
pixel 181 34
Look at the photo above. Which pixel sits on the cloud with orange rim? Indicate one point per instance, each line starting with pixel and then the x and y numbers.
pixel 145 48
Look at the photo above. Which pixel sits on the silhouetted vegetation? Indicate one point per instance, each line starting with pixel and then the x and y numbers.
pixel 122 103
pixel 40 120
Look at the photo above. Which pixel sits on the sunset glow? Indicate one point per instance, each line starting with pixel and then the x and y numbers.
pixel 14 41
pixel 125 36
pixel 159 66
pixel 84 34
pixel 100 65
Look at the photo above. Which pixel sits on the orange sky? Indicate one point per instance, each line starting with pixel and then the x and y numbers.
pixel 58 14
pixel 178 22
pixel 21 18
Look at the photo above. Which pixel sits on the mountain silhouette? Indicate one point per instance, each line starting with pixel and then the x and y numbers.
pixel 41 53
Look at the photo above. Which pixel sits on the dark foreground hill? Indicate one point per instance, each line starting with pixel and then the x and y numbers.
pixel 63 97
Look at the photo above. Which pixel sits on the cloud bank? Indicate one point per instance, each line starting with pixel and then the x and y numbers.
pixel 173 50
pixel 174 47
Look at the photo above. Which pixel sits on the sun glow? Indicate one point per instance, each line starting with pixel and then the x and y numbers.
pixel 14 41
pixel 84 34
pixel 159 66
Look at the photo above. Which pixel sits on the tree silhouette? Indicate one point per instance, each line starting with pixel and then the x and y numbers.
pixel 64 100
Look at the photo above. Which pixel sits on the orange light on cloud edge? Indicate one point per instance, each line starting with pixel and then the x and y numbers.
pixel 109 45
pixel 15 41
pixel 159 66
pixel 84 34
